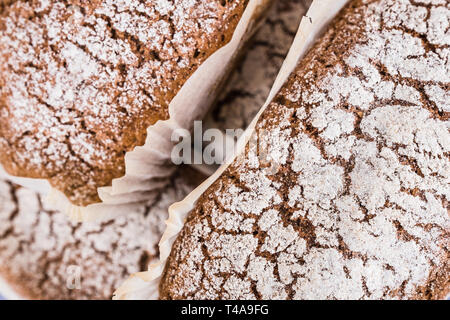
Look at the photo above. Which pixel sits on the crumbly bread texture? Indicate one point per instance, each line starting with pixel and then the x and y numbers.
pixel 45 256
pixel 81 81
pixel 251 81
pixel 350 198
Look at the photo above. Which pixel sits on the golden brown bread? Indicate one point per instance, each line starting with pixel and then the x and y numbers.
pixel 357 206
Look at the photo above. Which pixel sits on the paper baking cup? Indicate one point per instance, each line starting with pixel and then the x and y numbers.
pixel 144 285
pixel 146 166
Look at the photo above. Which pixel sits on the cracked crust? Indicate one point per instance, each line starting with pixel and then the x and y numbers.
pixel 39 246
pixel 83 80
pixel 345 195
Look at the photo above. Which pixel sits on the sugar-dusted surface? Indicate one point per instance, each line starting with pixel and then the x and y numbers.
pixel 41 252
pixel 357 207
pixel 80 81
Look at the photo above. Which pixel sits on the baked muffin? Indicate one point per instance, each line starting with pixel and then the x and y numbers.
pixel 342 191
pixel 45 256
pixel 82 81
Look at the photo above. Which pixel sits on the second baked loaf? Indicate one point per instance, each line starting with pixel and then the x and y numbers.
pixel 344 194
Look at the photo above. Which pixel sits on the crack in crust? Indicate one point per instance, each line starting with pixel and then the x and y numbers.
pixel 83 80
pixel 358 206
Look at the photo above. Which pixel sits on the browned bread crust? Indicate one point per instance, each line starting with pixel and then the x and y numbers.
pixel 346 196
pixel 81 81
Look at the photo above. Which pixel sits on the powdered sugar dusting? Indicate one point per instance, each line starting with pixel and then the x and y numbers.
pixel 38 245
pixel 358 206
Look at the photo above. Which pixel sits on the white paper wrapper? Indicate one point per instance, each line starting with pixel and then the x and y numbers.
pixel 145 285
pixel 152 160
pixel 37 185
